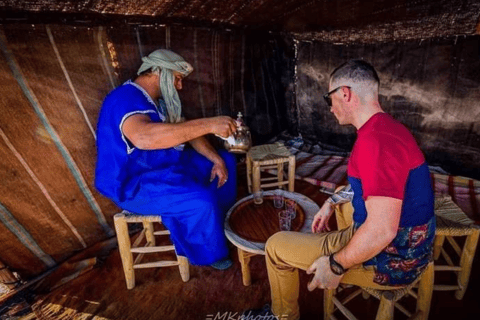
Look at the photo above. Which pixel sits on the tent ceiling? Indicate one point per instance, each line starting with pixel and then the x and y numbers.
pixel 350 20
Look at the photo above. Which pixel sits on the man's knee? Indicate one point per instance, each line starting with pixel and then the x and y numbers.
pixel 202 200
pixel 276 241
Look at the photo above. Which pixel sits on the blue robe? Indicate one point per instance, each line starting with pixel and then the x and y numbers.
pixel 173 183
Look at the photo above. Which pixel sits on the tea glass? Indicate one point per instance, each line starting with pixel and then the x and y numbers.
pixel 291 207
pixel 258 197
pixel 285 220
pixel 278 199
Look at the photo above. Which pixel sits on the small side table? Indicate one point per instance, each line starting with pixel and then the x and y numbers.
pixel 269 156
pixel 248 248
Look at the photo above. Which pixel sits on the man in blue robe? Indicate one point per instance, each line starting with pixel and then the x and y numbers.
pixel 142 165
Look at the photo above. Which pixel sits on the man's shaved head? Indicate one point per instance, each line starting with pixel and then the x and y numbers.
pixel 357 74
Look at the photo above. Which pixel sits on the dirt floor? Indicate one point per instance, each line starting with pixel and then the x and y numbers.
pixel 209 294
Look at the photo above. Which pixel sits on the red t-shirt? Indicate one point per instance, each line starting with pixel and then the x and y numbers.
pixel 382 157
pixel 386 161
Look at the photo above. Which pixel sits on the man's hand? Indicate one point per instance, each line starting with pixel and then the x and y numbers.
pixel 324 277
pixel 320 221
pixel 223 126
pixel 219 170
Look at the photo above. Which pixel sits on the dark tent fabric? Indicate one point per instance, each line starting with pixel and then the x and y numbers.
pixel 54 80
pixel 339 21
pixel 432 86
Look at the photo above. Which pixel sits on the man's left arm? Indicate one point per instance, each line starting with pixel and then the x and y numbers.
pixel 376 233
pixel 202 146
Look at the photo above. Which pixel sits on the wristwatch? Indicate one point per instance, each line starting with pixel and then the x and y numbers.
pixel 336 267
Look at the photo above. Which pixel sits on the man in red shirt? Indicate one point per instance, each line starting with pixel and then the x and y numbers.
pixel 390 240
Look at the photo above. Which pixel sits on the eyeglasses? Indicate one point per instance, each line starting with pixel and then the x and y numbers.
pixel 327 98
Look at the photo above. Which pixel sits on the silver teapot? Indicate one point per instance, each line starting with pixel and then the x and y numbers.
pixel 241 140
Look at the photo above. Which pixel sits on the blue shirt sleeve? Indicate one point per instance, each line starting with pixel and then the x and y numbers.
pixel 122 103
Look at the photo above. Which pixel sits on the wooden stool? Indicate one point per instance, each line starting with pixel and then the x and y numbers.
pixel 388 299
pixel 453 222
pixel 127 250
pixel 265 157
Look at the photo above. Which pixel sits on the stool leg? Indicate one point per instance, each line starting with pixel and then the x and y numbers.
pixel 466 261
pixel 328 305
pixel 183 265
pixel 437 246
pixel 249 173
pixel 386 307
pixel 291 174
pixel 124 247
pixel 280 173
pixel 256 177
pixel 148 227
pixel 425 291
pixel 244 258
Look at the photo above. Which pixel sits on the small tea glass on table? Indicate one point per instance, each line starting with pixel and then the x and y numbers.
pixel 291 207
pixel 278 199
pixel 285 220
pixel 258 197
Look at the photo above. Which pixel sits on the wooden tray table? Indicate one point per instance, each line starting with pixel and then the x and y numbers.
pixel 248 226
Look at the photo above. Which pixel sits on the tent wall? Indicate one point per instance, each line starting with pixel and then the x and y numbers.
pixel 432 86
pixel 54 79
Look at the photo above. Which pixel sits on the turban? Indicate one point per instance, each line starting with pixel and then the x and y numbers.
pixel 168 61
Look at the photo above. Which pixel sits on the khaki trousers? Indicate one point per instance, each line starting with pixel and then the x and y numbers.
pixel 287 251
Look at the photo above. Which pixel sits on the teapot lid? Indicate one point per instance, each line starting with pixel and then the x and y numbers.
pixel 239 120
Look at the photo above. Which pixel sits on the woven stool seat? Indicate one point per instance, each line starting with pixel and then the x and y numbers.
pixel 127 249
pixel 451 228
pixel 269 156
pixel 453 222
pixel 394 294
pixel 388 299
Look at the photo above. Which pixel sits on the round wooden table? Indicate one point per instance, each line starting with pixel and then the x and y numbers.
pixel 249 233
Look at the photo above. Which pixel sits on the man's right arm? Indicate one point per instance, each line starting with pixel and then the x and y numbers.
pixel 148 135
pixel 378 230
pixel 376 233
